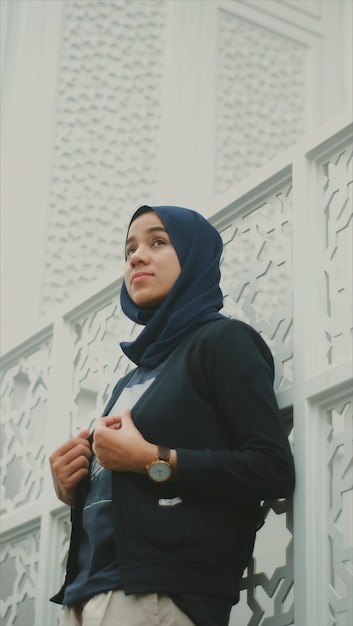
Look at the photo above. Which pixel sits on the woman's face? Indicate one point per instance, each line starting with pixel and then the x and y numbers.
pixel 152 265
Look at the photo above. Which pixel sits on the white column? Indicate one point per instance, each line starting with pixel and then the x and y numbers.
pixel 29 86
pixel 187 130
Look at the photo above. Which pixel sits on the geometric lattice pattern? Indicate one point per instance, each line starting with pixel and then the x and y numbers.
pixel 339 456
pixel 19 570
pixel 259 72
pixel 64 536
pixel 337 263
pixel 267 595
pixel 257 274
pixel 105 146
pixel 24 395
pixel 98 361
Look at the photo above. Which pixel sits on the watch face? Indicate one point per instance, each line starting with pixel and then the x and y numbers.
pixel 159 471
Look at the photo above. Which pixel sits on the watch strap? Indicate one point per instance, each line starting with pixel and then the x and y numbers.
pixel 164 454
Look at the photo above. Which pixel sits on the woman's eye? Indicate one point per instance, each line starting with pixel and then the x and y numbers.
pixel 158 242
pixel 155 243
pixel 129 252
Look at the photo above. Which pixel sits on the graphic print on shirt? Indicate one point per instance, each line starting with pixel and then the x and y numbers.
pixel 100 489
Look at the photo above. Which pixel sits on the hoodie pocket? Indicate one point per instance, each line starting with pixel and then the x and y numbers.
pixel 167 522
pixel 187 526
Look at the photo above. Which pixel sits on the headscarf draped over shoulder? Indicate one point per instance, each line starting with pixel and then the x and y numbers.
pixel 195 297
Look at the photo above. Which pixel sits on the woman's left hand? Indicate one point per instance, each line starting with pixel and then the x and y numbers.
pixel 119 445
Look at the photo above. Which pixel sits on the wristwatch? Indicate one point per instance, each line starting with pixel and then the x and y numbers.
pixel 160 469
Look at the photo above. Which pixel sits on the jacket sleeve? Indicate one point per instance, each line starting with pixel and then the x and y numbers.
pixel 259 464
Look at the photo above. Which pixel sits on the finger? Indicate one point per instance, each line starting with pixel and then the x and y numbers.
pixel 110 421
pixel 126 414
pixel 71 481
pixel 79 463
pixel 67 474
pixel 83 434
pixel 67 446
pixel 64 466
pixel 75 452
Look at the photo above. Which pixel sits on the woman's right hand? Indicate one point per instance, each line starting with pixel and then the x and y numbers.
pixel 69 464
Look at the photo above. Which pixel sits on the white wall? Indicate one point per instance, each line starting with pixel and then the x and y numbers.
pixel 108 105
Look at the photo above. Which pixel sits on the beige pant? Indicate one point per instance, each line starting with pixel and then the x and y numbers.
pixel 116 609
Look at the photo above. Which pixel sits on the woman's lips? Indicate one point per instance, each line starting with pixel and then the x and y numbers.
pixel 140 276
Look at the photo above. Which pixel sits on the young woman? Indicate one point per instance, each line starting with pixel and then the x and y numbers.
pixel 165 492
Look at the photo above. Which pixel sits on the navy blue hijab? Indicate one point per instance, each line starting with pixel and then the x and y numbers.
pixel 195 297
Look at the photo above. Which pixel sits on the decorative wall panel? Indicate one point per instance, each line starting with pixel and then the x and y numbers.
pixel 24 395
pixel 98 360
pixel 339 455
pixel 62 526
pixel 336 183
pixel 309 7
pixel 257 273
pixel 260 72
pixel 105 144
pixel 267 595
pixel 19 571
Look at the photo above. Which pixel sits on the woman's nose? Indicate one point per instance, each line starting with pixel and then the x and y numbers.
pixel 139 255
